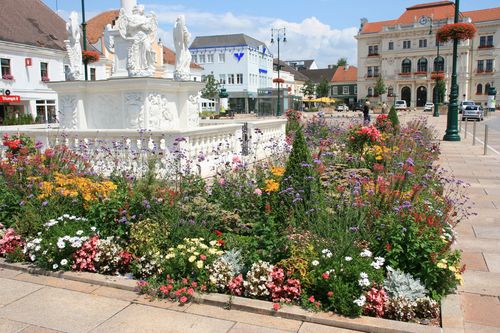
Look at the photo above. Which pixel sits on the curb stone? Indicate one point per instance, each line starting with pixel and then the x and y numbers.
pixel 450 307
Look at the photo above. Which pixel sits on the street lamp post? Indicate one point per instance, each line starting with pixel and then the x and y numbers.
pixel 452 118
pixel 436 92
pixel 84 30
pixel 280 34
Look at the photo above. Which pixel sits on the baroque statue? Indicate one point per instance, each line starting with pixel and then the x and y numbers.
pixel 183 55
pixel 140 29
pixel 74 49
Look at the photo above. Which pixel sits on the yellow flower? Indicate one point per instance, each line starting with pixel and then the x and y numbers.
pixel 277 171
pixel 199 264
pixel 212 243
pixel 192 258
pixel 271 186
pixel 442 264
pixel 459 278
pixel 453 269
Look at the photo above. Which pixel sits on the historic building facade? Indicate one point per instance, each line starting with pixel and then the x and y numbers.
pixel 404 52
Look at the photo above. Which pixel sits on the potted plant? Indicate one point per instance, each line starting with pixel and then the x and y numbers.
pixel 89 57
pixel 458 31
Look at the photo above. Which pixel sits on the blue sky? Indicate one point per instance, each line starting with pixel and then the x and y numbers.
pixel 319 29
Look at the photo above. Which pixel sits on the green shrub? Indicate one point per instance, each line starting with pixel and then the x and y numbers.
pixel 393 117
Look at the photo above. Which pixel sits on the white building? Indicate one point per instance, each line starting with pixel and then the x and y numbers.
pixel 404 52
pixel 240 63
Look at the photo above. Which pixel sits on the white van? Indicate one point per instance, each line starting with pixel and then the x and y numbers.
pixel 400 105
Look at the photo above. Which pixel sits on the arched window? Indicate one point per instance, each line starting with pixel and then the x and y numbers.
pixel 479 89
pixel 486 88
pixel 422 65
pixel 439 64
pixel 406 66
pixel 390 91
pixel 370 92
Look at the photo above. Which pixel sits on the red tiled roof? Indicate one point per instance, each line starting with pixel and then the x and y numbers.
pixel 430 4
pixel 483 15
pixel 96 25
pixel 343 75
pixel 31 22
pixel 372 27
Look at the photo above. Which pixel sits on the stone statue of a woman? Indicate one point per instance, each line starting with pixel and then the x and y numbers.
pixel 183 56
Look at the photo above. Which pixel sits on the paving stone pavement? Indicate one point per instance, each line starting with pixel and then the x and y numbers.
pixel 478 237
pixel 43 304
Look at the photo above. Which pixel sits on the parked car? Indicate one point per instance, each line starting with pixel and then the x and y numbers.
pixel 464 104
pixel 400 105
pixel 428 106
pixel 473 112
pixel 358 106
pixel 342 107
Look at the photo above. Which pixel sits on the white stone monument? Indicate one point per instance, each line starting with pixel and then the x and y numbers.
pixel 183 55
pixel 74 48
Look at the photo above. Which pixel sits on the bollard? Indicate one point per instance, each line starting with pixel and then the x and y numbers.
pixel 474 133
pixel 485 139
pixel 466 122
pixel 460 125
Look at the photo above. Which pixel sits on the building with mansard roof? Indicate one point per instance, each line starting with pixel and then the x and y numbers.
pixel 404 52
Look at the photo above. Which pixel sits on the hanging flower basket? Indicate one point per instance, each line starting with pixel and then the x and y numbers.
pixel 437 76
pixel 90 56
pixel 459 31
pixel 278 80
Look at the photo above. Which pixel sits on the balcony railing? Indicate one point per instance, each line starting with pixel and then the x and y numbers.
pixel 485 71
pixel 374 54
pixel 370 76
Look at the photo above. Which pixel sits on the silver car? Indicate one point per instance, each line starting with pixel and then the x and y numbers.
pixel 472 112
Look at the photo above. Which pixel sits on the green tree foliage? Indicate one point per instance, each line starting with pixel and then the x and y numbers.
pixel 379 88
pixel 323 88
pixel 441 89
pixel 211 90
pixel 393 117
pixel 309 88
pixel 342 62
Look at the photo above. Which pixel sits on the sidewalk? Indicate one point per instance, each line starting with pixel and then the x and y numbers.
pixel 31 303
pixel 479 237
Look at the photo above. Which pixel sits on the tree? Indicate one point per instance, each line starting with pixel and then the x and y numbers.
pixel 441 90
pixel 309 88
pixel 379 88
pixel 342 62
pixel 393 117
pixel 211 90
pixel 323 88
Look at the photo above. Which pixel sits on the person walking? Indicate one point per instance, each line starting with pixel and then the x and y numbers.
pixel 366 113
pixel 384 108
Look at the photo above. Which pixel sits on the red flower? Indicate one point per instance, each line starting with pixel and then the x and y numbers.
pixel 203 257
pixel 388 247
pixel 276 306
pixel 326 276
pixel 183 299
pixel 220 242
pixel 459 31
pixel 311 299
pixel 330 294
pixel 218 233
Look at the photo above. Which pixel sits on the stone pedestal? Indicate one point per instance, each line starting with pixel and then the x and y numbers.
pixel 128 103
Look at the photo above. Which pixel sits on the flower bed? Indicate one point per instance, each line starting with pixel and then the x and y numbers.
pixel 354 220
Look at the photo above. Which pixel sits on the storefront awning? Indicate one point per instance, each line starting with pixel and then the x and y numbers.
pixel 10 99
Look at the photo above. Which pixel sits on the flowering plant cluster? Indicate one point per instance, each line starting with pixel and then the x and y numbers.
pixel 18 144
pixel 90 56
pixel 459 31
pixel 11 245
pixel 360 136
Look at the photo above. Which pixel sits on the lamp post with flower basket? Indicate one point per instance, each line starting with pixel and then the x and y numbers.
pixel 456 31
pixel 436 76
pixel 278 35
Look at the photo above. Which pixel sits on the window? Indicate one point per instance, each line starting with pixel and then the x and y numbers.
pixel 480 66
pixel 391 45
pixel 370 71
pixel 44 70
pixel 422 65
pixel 489 65
pixel 479 89
pixel 486 41
pixel 222 78
pixel 46 111
pixel 239 78
pixel 222 57
pixel 373 50
pixel 406 66
pixel 422 43
pixel 210 58
pixel 230 79
pixel 355 90
pixel 335 90
pixel 370 92
pixel 195 58
pixel 375 71
pixel 390 91
pixel 202 58
pixel 439 64
pixel 406 44
pixel 345 90
pixel 486 88
pixel 5 66
pixel 92 74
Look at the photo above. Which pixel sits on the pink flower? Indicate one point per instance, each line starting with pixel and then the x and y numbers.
pixel 203 257
pixel 221 181
pixel 276 306
pixel 326 275
pixel 258 191
pixel 329 294
pixel 236 159
pixel 190 291
pixel 183 299
pixel 311 299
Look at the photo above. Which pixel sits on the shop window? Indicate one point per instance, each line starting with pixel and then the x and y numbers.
pixel 92 74
pixel 46 111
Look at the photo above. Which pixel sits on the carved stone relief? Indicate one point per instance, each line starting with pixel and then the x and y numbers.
pixel 161 115
pixel 68 108
pixel 134 106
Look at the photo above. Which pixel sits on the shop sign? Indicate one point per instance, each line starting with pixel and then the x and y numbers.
pixel 28 62
pixel 10 99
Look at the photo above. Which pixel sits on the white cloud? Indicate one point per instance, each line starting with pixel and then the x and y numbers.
pixel 309 39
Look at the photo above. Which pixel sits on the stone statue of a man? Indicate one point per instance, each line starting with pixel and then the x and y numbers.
pixel 183 56
pixel 141 30
pixel 74 48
